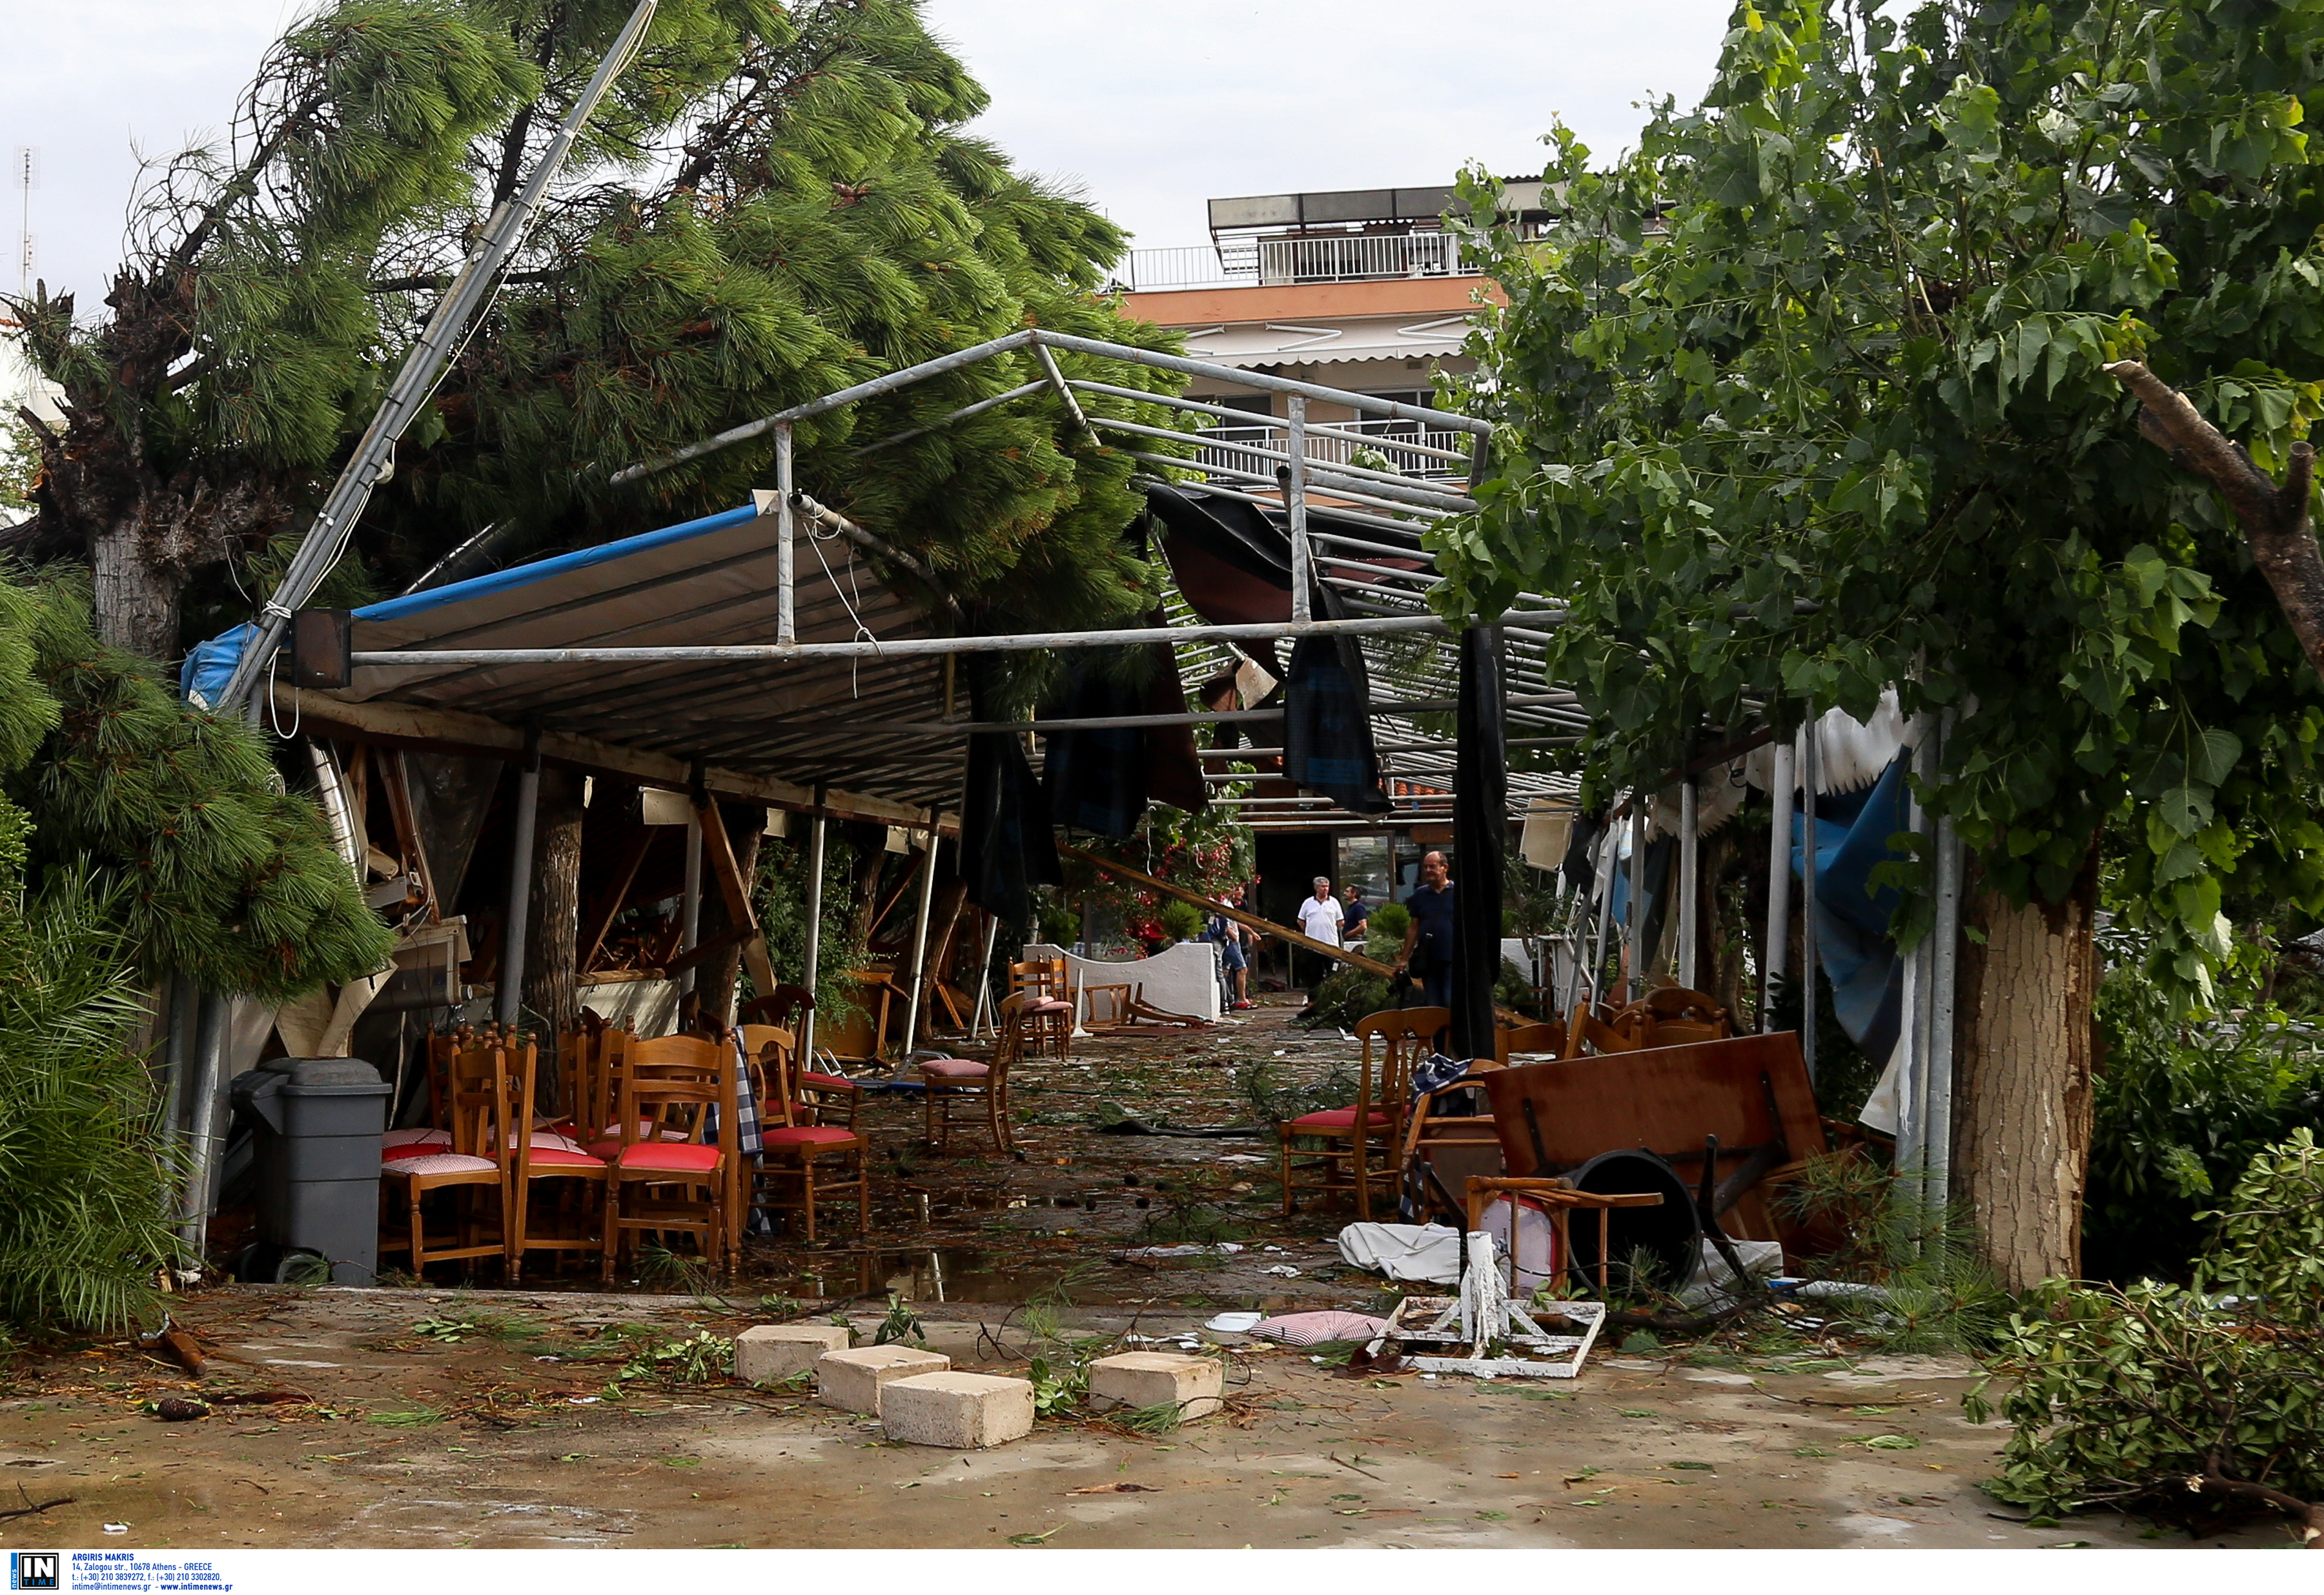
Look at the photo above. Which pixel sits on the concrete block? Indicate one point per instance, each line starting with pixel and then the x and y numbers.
pixel 852 1380
pixel 1149 1378
pixel 964 1411
pixel 778 1350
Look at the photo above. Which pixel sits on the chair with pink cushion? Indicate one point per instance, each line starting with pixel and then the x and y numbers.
pixel 823 1099
pixel 1048 997
pixel 476 1103
pixel 662 1173
pixel 1343 1140
pixel 946 1081
pixel 792 1146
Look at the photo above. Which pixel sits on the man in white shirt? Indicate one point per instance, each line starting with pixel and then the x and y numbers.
pixel 1320 915
pixel 1319 921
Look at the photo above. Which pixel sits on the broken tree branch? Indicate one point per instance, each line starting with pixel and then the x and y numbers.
pixel 2310 1516
pixel 2274 517
pixel 32 1508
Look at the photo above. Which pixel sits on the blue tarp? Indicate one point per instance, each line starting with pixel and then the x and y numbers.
pixel 1853 940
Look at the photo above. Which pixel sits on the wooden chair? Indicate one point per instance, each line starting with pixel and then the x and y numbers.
pixel 476 1100
pixel 1674 1015
pixel 1546 1036
pixel 1048 1004
pixel 791 1147
pixel 825 1099
pixel 546 1155
pixel 1349 1135
pixel 668 1086
pixel 946 1081
pixel 1624 1033
pixel 1559 1197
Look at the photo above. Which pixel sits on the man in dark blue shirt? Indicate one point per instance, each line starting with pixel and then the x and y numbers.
pixel 1428 940
pixel 1351 927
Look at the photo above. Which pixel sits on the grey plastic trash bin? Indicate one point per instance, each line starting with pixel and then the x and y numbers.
pixel 317 1124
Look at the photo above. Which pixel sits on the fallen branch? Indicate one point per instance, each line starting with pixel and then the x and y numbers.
pixel 2308 1514
pixel 2274 516
pixel 32 1507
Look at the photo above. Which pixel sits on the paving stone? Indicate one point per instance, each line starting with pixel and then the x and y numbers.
pixel 777 1351
pixel 851 1381
pixel 964 1410
pixel 1149 1378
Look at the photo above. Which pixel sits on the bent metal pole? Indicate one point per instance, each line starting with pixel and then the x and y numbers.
pixel 375 456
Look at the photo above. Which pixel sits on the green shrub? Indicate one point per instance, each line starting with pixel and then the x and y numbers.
pixel 2177 1399
pixel 2180 1109
pixel 1390 920
pixel 1183 921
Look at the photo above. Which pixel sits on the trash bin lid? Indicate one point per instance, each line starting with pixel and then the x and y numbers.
pixel 327 1076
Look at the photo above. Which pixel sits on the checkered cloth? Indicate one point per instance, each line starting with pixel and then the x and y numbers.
pixel 746 1108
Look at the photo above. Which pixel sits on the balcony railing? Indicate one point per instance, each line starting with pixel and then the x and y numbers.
pixel 1381 445
pixel 1331 257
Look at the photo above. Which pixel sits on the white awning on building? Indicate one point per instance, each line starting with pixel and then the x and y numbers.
pixel 1328 341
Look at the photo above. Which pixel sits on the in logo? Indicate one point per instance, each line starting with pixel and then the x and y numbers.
pixel 34 1569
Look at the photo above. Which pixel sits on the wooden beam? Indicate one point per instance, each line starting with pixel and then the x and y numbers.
pixel 455 732
pixel 719 848
pixel 1266 926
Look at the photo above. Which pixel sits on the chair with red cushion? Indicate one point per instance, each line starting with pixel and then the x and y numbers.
pixel 946 1081
pixel 823 1099
pixel 476 1103
pixel 662 1173
pixel 1346 1139
pixel 791 1147
pixel 575 1180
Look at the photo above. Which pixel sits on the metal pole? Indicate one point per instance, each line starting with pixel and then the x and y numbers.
pixel 814 924
pixel 689 911
pixel 1913 1082
pixel 185 1000
pixel 1633 921
pixel 375 456
pixel 1295 507
pixel 205 1111
pixel 785 531
pixel 920 950
pixel 1689 858
pixel 910 647
pixel 1613 861
pixel 1945 943
pixel 516 921
pixel 1776 951
pixel 984 977
pixel 1810 968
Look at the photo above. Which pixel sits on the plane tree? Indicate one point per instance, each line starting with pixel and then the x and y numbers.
pixel 1829 387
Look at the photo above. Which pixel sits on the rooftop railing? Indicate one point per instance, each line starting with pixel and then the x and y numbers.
pixel 1329 257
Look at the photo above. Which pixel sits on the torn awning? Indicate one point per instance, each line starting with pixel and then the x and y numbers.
pixel 867 725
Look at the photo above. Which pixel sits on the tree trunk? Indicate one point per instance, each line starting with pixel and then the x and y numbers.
pixel 552 985
pixel 2022 1078
pixel 134 597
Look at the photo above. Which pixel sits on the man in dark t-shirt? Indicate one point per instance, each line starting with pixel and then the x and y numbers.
pixel 1428 940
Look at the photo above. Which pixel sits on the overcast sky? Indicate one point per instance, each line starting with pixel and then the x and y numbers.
pixel 1151 106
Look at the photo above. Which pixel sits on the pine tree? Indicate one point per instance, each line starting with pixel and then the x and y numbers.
pixel 772 203
pixel 175 817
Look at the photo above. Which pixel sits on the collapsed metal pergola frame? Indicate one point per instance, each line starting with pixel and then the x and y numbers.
pixel 1384 600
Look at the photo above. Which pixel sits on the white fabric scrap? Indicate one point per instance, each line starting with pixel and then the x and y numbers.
pixel 1713 1282
pixel 1428 1252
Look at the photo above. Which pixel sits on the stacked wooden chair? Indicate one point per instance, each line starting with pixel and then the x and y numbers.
pixel 795 1144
